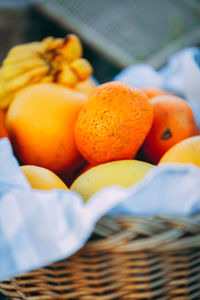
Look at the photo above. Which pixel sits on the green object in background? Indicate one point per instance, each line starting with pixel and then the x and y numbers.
pixel 130 31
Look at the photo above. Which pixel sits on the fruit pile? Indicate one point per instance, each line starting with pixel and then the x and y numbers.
pixel 65 131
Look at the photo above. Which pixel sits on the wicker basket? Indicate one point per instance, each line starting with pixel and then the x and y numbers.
pixel 126 258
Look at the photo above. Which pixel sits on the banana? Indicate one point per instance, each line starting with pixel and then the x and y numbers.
pixel 51 60
pixel 82 68
pixel 67 76
pixel 14 70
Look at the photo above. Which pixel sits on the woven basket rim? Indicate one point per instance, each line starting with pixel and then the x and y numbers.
pixel 148 257
pixel 163 233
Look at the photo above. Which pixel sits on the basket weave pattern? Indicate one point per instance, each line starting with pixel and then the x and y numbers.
pixel 126 258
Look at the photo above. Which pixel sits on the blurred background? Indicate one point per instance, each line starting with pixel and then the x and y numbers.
pixel 114 33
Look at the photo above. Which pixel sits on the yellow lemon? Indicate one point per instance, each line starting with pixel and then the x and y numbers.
pixel 186 151
pixel 123 172
pixel 42 178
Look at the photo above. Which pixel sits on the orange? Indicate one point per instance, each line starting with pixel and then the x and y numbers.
pixel 42 178
pixel 3 131
pixel 114 123
pixel 173 122
pixel 152 92
pixel 40 122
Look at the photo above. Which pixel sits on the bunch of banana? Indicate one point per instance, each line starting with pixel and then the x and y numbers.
pixel 51 60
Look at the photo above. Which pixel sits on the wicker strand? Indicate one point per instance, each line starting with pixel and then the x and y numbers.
pixel 126 258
